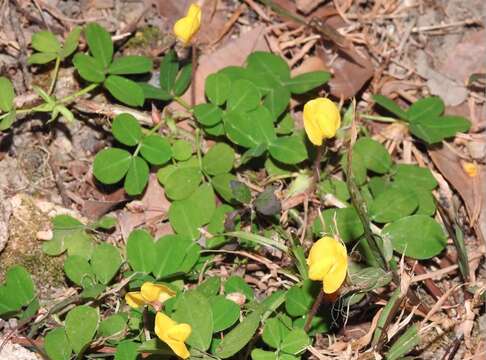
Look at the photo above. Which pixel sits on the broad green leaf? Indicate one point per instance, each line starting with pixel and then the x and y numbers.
pixel 156 149
pixel 390 105
pixel 79 271
pixel 71 42
pixel 183 80
pixel 236 284
pixel 215 131
pixel 237 338
pixel 295 342
pixel 303 83
pixel 358 167
pixel 269 67
pixel 45 41
pixel 169 67
pixel 141 251
pixel 113 325
pixel 259 240
pixel 288 149
pixel 106 222
pixel 392 204
pixel 426 201
pixel 259 354
pixel 426 108
pixel 110 165
pixel 434 130
pixel 204 203
pixel 7 120
pixel 183 218
pixel 106 261
pixel 126 129
pixel 18 290
pixel 225 312
pixel 299 299
pixel 286 125
pixel 100 44
pixel 250 129
pixel 210 286
pixel 277 101
pixel 68 234
pixel 217 88
pixel 81 324
pixel 375 156
pixel 127 350
pixel 170 251
pixel 152 92
pixel 41 58
pixel 7 94
pixel 191 258
pixel 216 224
pixel 131 64
pixel 417 236
pixel 182 150
pixel 219 159
pixel 222 185
pixel 182 182
pixel 275 330
pixel 92 292
pixel 413 175
pixel 404 344
pixel 241 192
pixel 370 278
pixel 244 96
pixel 267 203
pixel 208 114
pixel 125 90
pixel 88 68
pixel 194 309
pixel 336 187
pixel 56 344
pixel 343 223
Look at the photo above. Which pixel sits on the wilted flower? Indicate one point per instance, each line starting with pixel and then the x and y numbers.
pixel 185 28
pixel 470 169
pixel 149 293
pixel 328 262
pixel 173 334
pixel 321 120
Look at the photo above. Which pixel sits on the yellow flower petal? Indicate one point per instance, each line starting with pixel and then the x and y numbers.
pixel 134 299
pixel 321 120
pixel 180 332
pixel 173 334
pixel 335 277
pixel 156 292
pixel 179 348
pixel 186 27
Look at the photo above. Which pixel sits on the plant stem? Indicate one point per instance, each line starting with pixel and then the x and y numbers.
pixel 54 75
pixel 317 164
pixel 313 310
pixel 183 103
pixel 385 119
pixel 79 93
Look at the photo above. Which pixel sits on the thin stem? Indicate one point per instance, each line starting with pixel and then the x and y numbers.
pixel 317 164
pixel 79 93
pixel 385 119
pixel 54 75
pixel 313 310
pixel 183 103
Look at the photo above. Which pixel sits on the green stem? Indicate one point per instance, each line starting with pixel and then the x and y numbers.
pixel 79 93
pixel 54 75
pixel 385 119
pixel 183 103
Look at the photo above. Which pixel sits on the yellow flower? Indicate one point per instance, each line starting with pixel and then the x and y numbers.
pixel 470 169
pixel 328 262
pixel 321 120
pixel 148 294
pixel 173 334
pixel 185 28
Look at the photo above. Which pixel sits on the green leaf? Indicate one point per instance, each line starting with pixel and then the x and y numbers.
pixel 45 41
pixel 81 324
pixel 225 312
pixel 222 185
pixel 240 192
pixel 336 187
pixel 295 342
pixel 88 68
pixel 404 344
pixel 250 129
pixel 107 222
pixel 41 58
pixel 106 261
pixel 392 204
pixel 299 299
pixel 183 218
pixel 219 159
pixel 110 165
pixel 286 125
pixel 124 90
pixel 277 101
pixel 272 69
pixel 152 92
pixel 210 286
pixel 208 114
pixel 169 67
pixel 68 233
pixel 79 271
pixel 113 325
pixel 156 149
pixel 375 156
pixel 100 44
pixel 237 338
pixel 236 284
pixel 358 168
pixel 204 203
pixel 303 83
pixel 71 43
pixel 244 96
pixel 170 251
pixel 183 80
pixel 267 203
pixel 417 236
pixel 126 129
pixel 56 344
pixel 18 290
pixel 194 309
pixel 343 223
pixel 275 330
pixel 259 354
pixel 413 175
pixel 426 108
pixel 131 64
pixel 388 104
pixel 258 239
pixel 7 120
pixel 141 251
pixel 216 224
pixel 182 150
pixel 288 149
pixel 182 182
pixel 217 88
pixel 434 130
pixel 127 350
pixel 370 278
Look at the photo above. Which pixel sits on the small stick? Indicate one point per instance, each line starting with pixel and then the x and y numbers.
pixel 313 310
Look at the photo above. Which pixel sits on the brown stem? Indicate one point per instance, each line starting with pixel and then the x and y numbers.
pixel 313 310
pixel 317 164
